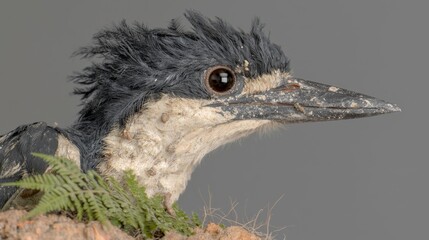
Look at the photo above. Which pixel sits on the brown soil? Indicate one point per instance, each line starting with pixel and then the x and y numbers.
pixel 50 227
pixel 215 232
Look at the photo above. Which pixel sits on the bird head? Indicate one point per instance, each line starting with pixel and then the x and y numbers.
pixel 192 91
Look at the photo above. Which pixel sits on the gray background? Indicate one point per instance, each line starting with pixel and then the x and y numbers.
pixel 357 179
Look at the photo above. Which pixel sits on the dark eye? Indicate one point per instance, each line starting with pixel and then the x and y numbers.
pixel 220 80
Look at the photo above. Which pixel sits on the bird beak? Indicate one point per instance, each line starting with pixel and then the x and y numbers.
pixel 298 100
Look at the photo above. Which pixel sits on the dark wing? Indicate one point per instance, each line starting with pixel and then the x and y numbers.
pixel 15 154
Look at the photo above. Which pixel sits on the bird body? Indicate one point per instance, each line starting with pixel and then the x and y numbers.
pixel 165 142
pixel 161 99
pixel 16 159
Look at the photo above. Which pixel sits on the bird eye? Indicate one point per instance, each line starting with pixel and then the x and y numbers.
pixel 220 80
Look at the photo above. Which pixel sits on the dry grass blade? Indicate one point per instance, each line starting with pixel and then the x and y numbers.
pixel 258 224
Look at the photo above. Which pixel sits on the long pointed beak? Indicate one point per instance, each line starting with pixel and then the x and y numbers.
pixel 298 100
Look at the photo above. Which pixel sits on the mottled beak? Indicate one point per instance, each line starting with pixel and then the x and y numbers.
pixel 298 100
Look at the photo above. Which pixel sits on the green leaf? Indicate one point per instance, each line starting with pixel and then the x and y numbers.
pixel 89 196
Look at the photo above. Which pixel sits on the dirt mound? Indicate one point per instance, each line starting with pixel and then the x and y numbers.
pixel 50 227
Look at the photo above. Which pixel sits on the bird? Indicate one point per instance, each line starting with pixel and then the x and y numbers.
pixel 157 100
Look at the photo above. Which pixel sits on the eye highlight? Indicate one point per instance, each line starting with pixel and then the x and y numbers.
pixel 220 80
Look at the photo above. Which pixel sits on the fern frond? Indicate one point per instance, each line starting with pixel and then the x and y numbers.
pixel 123 202
pixel 38 182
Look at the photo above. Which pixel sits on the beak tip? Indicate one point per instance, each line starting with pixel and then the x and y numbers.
pixel 391 108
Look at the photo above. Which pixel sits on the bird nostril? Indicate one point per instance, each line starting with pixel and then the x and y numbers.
pixel 291 87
